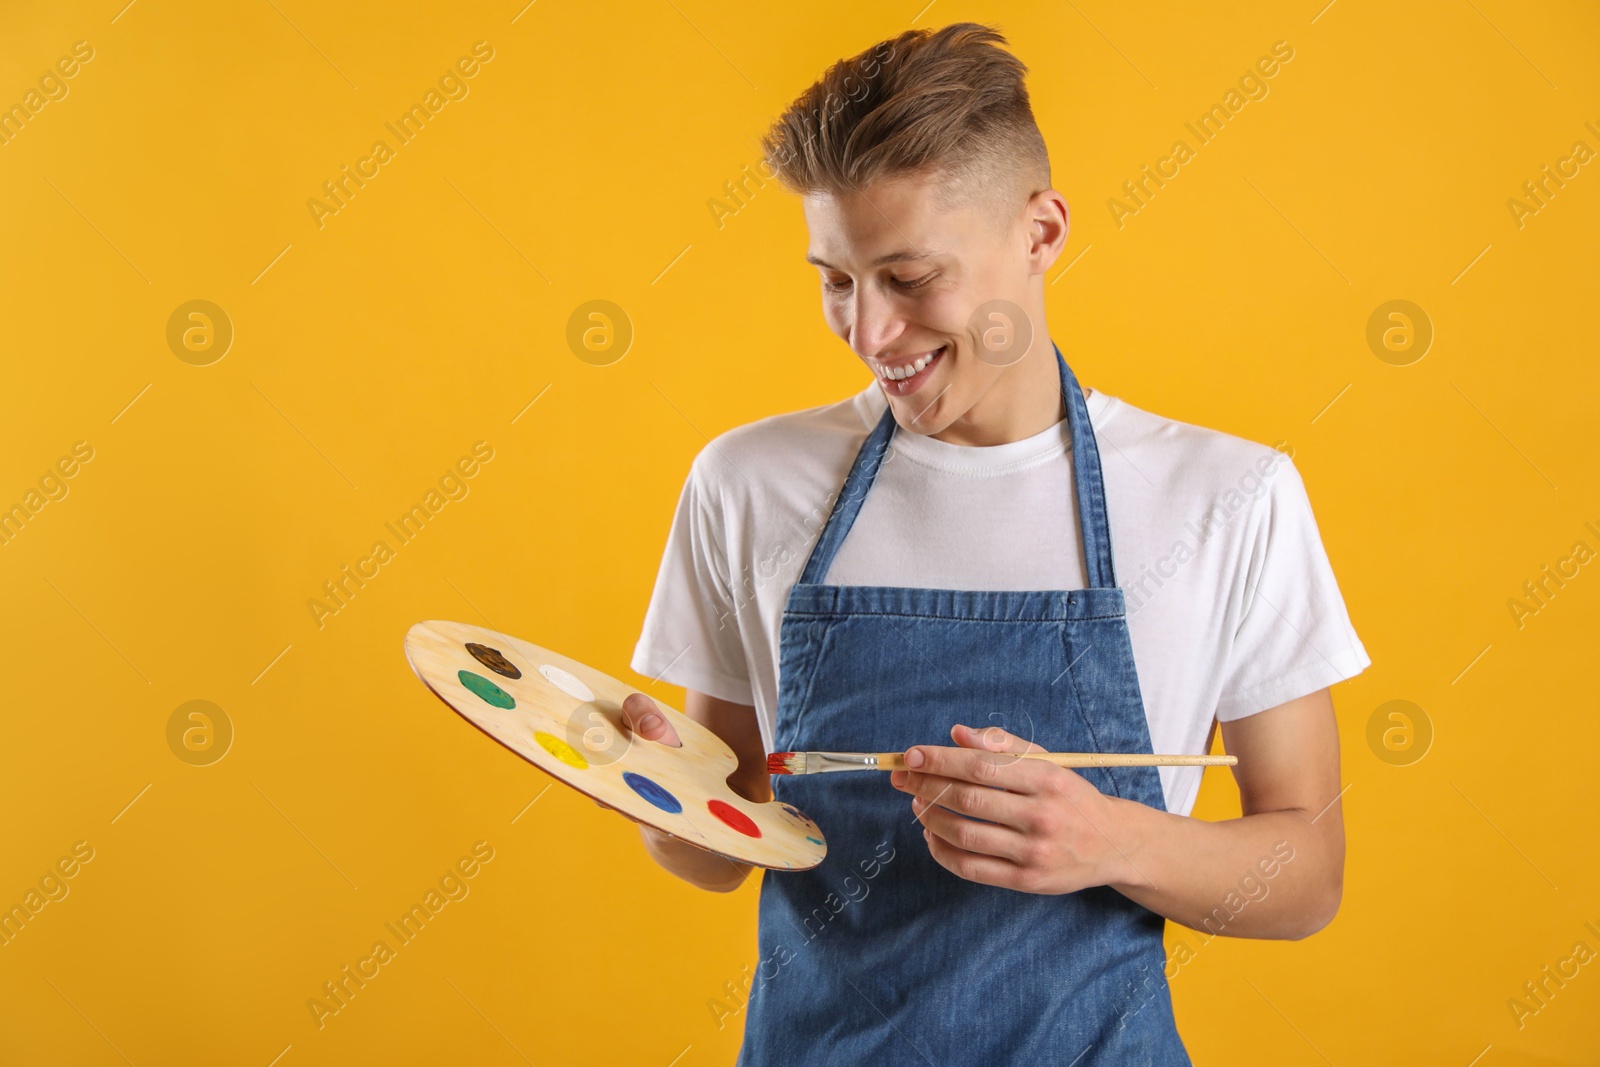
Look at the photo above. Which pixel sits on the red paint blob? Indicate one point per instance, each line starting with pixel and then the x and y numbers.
pixel 734 817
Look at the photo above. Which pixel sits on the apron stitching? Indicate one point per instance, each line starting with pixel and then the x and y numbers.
pixel 802 613
pixel 1083 710
pixel 817 647
pixel 1066 647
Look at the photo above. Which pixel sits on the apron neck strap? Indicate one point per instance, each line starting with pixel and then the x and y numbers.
pixel 1094 523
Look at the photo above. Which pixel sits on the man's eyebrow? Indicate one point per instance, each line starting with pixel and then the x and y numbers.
pixel 892 257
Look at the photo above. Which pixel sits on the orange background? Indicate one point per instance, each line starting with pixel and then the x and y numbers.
pixel 371 352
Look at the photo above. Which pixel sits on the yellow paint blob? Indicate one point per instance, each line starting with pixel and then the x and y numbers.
pixel 561 750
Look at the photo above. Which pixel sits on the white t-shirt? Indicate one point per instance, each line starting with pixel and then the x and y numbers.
pixel 1232 605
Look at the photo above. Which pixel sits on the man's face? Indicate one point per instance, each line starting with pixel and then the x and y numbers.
pixel 901 280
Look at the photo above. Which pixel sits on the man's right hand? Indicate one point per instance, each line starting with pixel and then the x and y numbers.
pixel 642 718
pixel 737 726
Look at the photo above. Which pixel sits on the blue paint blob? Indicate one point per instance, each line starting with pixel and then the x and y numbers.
pixel 813 840
pixel 652 792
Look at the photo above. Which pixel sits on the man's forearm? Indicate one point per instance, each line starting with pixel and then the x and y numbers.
pixel 693 864
pixel 1275 874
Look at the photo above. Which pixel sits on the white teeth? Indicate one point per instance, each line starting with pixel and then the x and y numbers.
pixel 906 370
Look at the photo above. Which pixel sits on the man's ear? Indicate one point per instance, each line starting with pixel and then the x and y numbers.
pixel 1049 228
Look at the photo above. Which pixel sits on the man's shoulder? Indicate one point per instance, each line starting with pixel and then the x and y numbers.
pixel 1184 459
pixel 794 446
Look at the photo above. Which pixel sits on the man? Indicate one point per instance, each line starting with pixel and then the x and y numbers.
pixel 933 558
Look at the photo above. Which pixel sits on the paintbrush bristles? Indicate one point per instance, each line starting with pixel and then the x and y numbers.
pixel 786 763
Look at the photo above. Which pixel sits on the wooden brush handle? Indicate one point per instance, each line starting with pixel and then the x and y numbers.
pixel 896 761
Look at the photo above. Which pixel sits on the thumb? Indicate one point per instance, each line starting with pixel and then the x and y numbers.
pixel 641 715
pixel 992 739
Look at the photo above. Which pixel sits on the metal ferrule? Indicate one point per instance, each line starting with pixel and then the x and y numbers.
pixel 840 761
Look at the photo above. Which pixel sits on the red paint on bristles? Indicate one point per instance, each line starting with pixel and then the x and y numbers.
pixel 778 763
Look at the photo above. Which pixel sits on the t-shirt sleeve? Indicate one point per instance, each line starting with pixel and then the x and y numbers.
pixel 1294 635
pixel 690 636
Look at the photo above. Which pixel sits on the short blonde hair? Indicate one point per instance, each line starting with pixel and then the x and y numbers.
pixel 950 104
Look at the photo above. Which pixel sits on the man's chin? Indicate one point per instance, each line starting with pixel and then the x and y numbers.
pixel 918 415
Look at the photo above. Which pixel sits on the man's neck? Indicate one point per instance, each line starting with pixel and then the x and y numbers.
pixel 1026 401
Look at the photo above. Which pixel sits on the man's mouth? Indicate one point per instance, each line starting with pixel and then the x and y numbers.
pixel 906 376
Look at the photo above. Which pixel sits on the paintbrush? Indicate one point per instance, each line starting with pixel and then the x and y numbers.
pixel 821 762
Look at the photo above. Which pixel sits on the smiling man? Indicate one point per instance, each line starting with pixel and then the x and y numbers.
pixel 975 557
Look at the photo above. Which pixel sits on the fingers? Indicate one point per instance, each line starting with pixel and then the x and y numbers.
pixel 988 757
pixel 991 738
pixel 970 835
pixel 976 867
pixel 642 717
pixel 935 792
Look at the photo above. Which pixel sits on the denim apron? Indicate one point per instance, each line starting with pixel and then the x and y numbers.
pixel 881 956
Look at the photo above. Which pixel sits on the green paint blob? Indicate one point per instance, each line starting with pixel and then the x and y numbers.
pixel 486 690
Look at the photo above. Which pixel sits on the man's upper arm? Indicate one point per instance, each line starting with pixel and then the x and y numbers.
pixel 1288 758
pixel 690 635
pixel 737 725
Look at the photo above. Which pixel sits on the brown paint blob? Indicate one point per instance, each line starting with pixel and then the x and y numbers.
pixel 494 660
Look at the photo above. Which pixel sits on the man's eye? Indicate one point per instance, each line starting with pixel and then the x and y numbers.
pixel 914 283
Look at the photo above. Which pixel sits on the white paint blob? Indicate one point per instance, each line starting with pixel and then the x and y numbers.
pixel 567 682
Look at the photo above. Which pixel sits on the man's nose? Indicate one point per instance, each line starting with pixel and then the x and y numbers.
pixel 876 323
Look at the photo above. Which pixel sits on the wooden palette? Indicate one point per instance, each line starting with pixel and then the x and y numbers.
pixel 566 719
